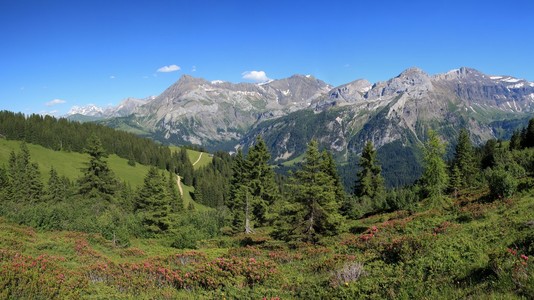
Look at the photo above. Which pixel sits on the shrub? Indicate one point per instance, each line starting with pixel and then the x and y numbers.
pixel 501 183
pixel 349 273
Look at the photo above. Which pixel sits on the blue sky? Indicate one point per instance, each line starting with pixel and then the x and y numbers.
pixel 57 54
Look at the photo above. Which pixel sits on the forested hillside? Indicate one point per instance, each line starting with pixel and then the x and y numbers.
pixel 464 229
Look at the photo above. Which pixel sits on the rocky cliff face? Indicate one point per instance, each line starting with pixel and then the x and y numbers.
pixel 402 109
pixel 289 112
pixel 196 111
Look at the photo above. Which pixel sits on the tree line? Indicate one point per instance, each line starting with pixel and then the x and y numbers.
pixel 313 203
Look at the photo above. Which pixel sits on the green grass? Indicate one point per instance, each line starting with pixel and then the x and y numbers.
pixel 435 254
pixel 194 155
pixel 69 164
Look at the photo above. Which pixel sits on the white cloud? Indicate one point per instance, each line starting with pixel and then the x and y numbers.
pixel 169 68
pixel 111 77
pixel 257 76
pixel 48 113
pixel 55 102
pixel 194 69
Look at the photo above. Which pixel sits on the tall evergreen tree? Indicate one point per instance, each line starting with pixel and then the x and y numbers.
pixel 57 188
pixel 464 159
pixel 153 202
pixel 98 180
pixel 177 203
pixel 261 180
pixel 312 211
pixel 329 167
pixel 24 177
pixel 253 188
pixel 515 141
pixel 435 178
pixel 527 137
pixel 370 183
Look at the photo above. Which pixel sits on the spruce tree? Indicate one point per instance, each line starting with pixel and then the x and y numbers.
pixel 312 210
pixel 98 180
pixel 527 137
pixel 56 189
pixel 464 159
pixel 329 167
pixel 153 202
pixel 240 200
pixel 24 177
pixel 261 180
pixel 253 189
pixel 435 178
pixel 177 203
pixel 370 183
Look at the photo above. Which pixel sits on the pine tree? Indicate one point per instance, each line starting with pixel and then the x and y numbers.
pixel 177 203
pixel 24 177
pixel 261 180
pixel 435 178
pixel 515 141
pixel 527 137
pixel 313 210
pixel 4 184
pixel 329 167
pixel 370 183
pixel 464 159
pixel 57 189
pixel 253 189
pixel 153 202
pixel 98 180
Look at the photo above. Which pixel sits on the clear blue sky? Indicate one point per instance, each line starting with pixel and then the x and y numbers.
pixel 81 52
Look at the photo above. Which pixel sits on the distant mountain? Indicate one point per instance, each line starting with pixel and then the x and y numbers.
pixel 92 112
pixel 215 114
pixel 394 114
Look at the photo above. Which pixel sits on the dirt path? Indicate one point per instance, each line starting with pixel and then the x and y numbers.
pixel 199 157
pixel 179 183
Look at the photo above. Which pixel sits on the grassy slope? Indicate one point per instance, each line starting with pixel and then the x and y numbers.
pixel 193 157
pixel 70 163
pixel 438 254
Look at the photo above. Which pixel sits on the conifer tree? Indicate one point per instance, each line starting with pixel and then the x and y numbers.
pixel 57 187
pixel 176 200
pixel 435 178
pixel 24 177
pixel 253 189
pixel 515 141
pixel 464 159
pixel 370 183
pixel 312 211
pixel 98 180
pixel 261 180
pixel 153 202
pixel 4 184
pixel 527 137
pixel 240 200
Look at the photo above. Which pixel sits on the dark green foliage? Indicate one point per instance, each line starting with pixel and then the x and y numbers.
pixel 212 182
pixel 58 188
pixel 435 178
pixel 527 135
pixel 253 188
pixel 312 209
pixel 176 201
pixel 369 185
pixel 464 160
pixel 487 154
pixel 501 183
pixel 153 203
pixel 98 181
pixel 24 178
pixel 62 134
pixel 184 167
pixel 515 141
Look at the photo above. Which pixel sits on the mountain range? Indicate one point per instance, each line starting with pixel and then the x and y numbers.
pixel 395 114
